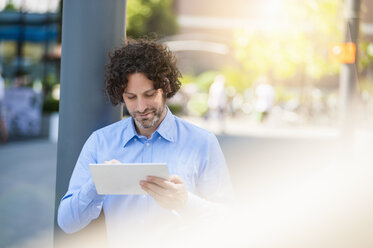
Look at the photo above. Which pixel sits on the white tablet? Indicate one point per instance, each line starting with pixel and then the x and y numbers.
pixel 124 179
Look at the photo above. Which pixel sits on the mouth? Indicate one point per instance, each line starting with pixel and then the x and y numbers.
pixel 145 115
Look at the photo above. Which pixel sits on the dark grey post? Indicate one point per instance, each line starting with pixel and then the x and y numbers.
pixel 348 76
pixel 90 29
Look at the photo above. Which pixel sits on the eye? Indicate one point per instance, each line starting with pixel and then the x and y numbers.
pixel 131 97
pixel 150 95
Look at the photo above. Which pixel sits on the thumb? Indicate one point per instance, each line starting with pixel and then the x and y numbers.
pixel 176 179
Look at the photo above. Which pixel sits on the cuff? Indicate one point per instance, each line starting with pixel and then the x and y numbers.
pixel 193 205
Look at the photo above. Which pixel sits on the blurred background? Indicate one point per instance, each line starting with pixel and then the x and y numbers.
pixel 264 76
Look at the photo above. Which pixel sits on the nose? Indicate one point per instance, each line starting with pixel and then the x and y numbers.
pixel 141 105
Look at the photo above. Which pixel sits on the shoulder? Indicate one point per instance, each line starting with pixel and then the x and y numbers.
pixel 193 131
pixel 113 130
pixel 199 140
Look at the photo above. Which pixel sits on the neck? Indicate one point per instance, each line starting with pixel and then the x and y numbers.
pixel 147 132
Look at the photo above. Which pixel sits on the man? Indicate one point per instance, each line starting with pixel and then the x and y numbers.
pixel 143 74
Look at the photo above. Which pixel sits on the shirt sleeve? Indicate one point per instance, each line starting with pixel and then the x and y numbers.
pixel 81 204
pixel 214 189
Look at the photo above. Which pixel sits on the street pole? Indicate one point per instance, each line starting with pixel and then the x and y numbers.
pixel 348 77
pixel 90 29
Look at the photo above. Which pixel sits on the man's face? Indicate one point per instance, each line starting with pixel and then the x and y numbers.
pixel 145 104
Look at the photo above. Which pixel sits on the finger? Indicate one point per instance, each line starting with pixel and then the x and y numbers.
pixel 150 192
pixel 153 194
pixel 176 179
pixel 156 188
pixel 164 183
pixel 146 189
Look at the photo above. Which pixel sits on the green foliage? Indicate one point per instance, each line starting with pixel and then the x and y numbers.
pixel 197 105
pixel 176 109
pixel 48 83
pixel 237 78
pixel 284 95
pixel 324 17
pixel 10 6
pixel 51 105
pixel 147 17
pixel 205 79
pixel 300 49
pixel 366 85
pixel 364 57
pixel 187 79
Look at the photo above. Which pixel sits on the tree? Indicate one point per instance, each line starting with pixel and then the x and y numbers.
pixel 301 48
pixel 149 17
pixel 10 6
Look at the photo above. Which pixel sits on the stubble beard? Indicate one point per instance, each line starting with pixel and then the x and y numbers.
pixel 150 122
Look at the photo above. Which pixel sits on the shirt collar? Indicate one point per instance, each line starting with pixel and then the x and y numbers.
pixel 167 128
pixel 129 132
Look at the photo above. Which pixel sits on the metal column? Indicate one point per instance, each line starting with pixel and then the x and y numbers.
pixel 90 29
pixel 348 76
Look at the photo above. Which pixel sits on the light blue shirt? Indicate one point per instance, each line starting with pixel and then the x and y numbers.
pixel 190 152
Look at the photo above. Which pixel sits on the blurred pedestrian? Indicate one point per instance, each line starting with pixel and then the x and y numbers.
pixel 265 95
pixel 217 101
pixel 4 131
pixel 21 78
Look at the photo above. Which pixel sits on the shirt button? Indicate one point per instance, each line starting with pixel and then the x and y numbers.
pixel 147 144
pixel 159 138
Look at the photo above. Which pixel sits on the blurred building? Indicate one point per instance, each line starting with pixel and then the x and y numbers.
pixel 367 19
pixel 367 31
pixel 30 56
pixel 27 42
pixel 206 31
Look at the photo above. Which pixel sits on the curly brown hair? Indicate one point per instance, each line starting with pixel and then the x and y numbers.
pixel 153 59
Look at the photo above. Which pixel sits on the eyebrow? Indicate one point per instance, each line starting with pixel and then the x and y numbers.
pixel 147 91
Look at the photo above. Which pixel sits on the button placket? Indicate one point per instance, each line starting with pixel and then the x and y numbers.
pixel 147 151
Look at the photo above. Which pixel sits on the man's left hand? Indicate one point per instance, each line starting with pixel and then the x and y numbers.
pixel 170 194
